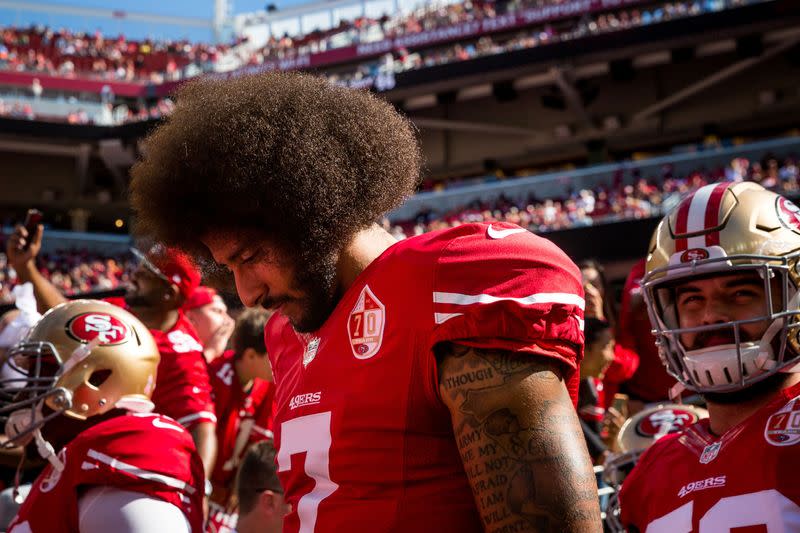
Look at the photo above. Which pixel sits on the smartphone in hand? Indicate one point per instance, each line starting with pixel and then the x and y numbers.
pixel 32 220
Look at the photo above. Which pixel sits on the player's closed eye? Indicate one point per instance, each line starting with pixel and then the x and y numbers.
pixel 248 256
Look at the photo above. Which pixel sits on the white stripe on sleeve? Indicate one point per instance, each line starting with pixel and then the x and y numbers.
pixel 454 298
pixel 140 472
pixel 205 415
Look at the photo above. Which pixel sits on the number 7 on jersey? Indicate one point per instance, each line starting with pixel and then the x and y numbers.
pixel 310 434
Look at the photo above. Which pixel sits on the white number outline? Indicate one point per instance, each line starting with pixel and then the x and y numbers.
pixel 310 434
pixel 730 512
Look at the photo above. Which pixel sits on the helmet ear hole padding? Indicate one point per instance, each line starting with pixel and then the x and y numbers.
pixel 99 377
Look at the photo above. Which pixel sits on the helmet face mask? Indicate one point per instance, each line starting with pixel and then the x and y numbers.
pixel 724 231
pixel 27 382
pixel 82 359
pixel 749 357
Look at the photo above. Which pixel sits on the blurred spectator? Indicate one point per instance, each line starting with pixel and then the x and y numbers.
pixel 650 383
pixel 36 88
pixel 595 287
pixel 261 503
pixel 208 313
pixel 599 306
pixel 598 354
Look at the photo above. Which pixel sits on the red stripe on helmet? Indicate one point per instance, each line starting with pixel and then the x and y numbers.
pixel 681 223
pixel 712 212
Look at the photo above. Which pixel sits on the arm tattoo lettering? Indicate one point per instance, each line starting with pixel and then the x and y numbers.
pixel 519 439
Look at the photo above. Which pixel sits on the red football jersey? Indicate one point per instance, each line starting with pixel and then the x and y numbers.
pixel 139 452
pixel 745 480
pixel 183 391
pixel 362 434
pixel 220 519
pixel 243 417
pixel 650 381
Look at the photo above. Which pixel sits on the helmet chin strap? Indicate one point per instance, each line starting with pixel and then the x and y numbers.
pixel 46 450
pixel 676 391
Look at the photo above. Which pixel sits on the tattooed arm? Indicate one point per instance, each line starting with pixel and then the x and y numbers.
pixel 520 440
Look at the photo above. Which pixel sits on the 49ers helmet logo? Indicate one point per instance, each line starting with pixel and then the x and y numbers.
pixel 695 254
pixel 88 326
pixel 788 213
pixel 665 421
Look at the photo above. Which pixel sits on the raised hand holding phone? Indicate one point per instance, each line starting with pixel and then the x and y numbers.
pixel 25 242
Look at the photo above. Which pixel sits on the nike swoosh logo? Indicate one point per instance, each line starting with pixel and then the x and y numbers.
pixel 166 425
pixel 495 233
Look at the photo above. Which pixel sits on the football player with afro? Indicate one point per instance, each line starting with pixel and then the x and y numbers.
pixel 427 384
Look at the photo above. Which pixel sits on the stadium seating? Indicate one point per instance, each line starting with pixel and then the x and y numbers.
pixel 608 202
pixel 60 52
pixel 73 271
pixel 609 199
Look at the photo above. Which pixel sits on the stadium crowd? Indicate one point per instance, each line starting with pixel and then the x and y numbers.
pixel 40 49
pixel 615 200
pixel 78 271
pixel 43 50
pixel 73 272
pixel 432 16
pixel 63 53
pixel 108 115
pixel 403 60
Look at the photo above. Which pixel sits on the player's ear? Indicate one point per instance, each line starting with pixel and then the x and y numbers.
pixel 172 294
pixel 270 503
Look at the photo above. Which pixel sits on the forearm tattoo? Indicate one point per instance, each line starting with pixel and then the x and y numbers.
pixel 520 441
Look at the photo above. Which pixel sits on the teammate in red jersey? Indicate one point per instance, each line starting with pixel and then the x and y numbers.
pixel 78 389
pixel 162 282
pixel 650 382
pixel 422 385
pixel 243 395
pixel 722 291
pixel 209 316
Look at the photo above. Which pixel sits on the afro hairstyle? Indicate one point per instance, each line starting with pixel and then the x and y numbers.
pixel 285 156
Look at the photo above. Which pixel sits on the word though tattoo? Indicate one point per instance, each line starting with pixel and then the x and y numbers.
pixel 519 439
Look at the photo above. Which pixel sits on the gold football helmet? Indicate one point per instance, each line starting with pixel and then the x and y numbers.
pixel 82 359
pixel 723 229
pixel 637 434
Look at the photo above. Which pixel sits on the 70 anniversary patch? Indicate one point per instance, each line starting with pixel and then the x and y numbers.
pixel 783 427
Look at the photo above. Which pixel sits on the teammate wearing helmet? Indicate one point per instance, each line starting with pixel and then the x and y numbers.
pixel 78 388
pixel 162 282
pixel 636 435
pixel 722 292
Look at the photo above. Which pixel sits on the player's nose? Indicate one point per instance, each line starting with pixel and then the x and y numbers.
pixel 249 288
pixel 715 312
